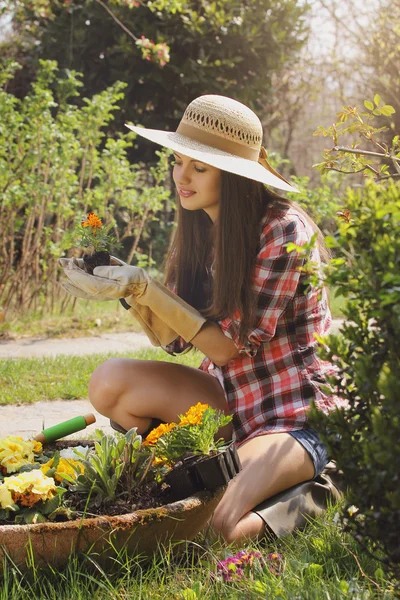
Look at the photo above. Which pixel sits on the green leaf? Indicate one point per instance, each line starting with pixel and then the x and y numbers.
pixel 189 594
pixel 377 99
pixel 369 105
pixel 315 570
pixel 260 587
pixel 64 512
pixel 387 110
pixel 51 505
pixel 379 574
pixel 291 247
pixel 30 517
pixel 4 514
pixel 330 241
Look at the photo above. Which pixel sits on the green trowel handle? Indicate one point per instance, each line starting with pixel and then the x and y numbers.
pixel 65 428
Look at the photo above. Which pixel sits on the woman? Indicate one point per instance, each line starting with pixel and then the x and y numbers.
pixel 240 298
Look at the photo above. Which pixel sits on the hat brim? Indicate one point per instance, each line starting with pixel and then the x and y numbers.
pixel 212 156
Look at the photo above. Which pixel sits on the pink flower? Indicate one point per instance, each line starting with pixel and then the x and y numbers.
pixel 242 564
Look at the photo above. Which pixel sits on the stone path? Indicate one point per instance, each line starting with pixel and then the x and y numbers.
pixel 27 419
pixel 99 344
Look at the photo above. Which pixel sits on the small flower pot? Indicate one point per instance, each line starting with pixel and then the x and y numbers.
pixel 198 473
pixel 183 482
pixel 233 460
pixel 213 471
pixel 98 259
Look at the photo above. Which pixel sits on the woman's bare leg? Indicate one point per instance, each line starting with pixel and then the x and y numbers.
pixel 271 463
pixel 132 392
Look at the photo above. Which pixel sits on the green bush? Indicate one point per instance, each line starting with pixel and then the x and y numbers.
pixel 321 203
pixel 57 162
pixel 364 438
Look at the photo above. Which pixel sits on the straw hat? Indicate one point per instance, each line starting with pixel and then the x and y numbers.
pixel 223 133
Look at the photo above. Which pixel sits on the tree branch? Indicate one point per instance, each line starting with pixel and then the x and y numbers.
pixel 133 36
pixel 366 152
pixel 396 164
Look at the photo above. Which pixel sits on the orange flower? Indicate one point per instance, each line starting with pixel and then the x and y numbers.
pixel 194 415
pixel 156 433
pixel 92 220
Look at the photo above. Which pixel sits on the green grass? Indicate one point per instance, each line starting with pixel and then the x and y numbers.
pixel 337 304
pixel 65 377
pixel 82 320
pixel 319 563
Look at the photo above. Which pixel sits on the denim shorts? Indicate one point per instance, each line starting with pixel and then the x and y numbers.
pixel 311 442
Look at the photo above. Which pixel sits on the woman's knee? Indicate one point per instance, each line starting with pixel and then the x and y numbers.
pixel 104 384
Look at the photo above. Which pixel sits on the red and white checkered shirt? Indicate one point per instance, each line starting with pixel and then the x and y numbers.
pixel 270 386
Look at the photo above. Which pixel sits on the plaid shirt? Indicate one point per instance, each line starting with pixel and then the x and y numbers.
pixel 270 386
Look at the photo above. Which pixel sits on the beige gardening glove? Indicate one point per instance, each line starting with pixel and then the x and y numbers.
pixel 155 307
pixel 156 330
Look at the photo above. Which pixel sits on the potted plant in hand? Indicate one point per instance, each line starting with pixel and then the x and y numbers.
pixel 98 240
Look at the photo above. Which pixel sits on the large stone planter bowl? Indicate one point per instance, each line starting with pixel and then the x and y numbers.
pixel 139 532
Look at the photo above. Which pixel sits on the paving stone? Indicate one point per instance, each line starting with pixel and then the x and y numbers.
pixel 107 342
pixel 27 420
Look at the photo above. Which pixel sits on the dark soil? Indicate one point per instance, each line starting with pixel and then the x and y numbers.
pixel 146 496
pixel 98 259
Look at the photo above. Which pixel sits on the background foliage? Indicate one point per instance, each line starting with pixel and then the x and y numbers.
pixel 230 48
pixel 56 163
pixel 364 438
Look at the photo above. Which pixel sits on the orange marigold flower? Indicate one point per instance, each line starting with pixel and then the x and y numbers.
pixel 160 460
pixel 156 433
pixel 194 415
pixel 92 220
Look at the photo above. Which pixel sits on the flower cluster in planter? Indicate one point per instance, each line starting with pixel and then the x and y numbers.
pixel 194 434
pixel 115 474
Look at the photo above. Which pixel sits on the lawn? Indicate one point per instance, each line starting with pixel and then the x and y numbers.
pixel 66 377
pixel 79 319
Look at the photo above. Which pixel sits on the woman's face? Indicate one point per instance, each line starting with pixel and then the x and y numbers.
pixel 198 185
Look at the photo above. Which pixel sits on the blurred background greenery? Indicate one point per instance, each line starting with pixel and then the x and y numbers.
pixel 73 72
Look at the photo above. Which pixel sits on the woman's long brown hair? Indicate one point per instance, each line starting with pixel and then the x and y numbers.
pixel 230 246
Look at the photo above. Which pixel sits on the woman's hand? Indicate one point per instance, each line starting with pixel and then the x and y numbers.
pixel 165 313
pixel 106 283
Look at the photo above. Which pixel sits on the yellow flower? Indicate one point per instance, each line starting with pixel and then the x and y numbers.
pixel 37 447
pixel 30 487
pixel 156 433
pixel 6 500
pixel 194 415
pixel 15 452
pixel 65 466
pixel 92 220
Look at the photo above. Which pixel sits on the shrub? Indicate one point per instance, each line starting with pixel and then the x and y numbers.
pixel 364 439
pixel 58 161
